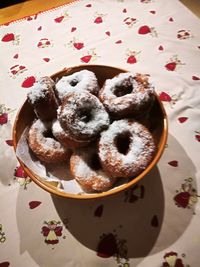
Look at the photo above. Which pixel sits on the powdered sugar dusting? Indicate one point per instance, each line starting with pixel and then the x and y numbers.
pixel 83 80
pixel 68 114
pixel 133 100
pixel 48 143
pixel 37 92
pixel 141 145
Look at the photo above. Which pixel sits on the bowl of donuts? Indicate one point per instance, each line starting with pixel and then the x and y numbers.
pixel 90 131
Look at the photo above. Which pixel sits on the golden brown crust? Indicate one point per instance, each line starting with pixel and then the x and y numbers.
pixel 84 166
pixel 45 148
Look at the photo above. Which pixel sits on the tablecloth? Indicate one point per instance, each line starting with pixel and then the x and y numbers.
pixel 156 222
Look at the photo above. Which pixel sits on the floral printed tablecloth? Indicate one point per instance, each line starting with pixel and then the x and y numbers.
pixel 155 223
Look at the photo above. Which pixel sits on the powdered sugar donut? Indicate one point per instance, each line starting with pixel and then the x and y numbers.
pixel 83 80
pixel 126 148
pixel 127 95
pixel 83 116
pixel 42 98
pixel 86 169
pixel 64 137
pixel 44 146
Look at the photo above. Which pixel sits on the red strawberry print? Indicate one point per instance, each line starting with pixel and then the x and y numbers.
pixel 144 29
pixel 16 56
pixel 108 33
pixel 34 204
pixel 173 163
pixel 59 19
pixel 171 66
pixel 107 246
pixel 161 48
pixel 165 97
pixel 39 28
pixel 99 211
pixel 182 199
pixel 3 118
pixel 98 20
pixel 78 45
pixel 118 42
pixel 11 37
pixel 124 10
pixel 28 82
pixel 195 78
pixel 197 136
pixel 19 172
pixel 86 59
pixel 186 196
pixel 46 59
pixel 4 264
pixel 131 60
pixel 8 37
pixel 9 142
pixel 171 19
pixel 152 11
pixel 73 29
pixel 89 5
pixel 182 119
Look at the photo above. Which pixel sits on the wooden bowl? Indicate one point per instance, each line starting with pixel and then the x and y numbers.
pixel 158 121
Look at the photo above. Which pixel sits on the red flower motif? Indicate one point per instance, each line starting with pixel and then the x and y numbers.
pixel 9 142
pixel 78 45
pixel 98 20
pixel 195 78
pixel 173 163
pixel 182 119
pixel 34 204
pixel 86 59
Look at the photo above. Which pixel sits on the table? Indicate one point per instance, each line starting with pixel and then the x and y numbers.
pixel 155 223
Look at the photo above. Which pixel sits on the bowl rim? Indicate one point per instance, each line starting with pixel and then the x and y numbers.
pixel 47 186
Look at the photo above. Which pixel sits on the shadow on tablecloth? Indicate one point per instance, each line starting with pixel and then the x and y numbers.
pixel 132 220
pixel 141 221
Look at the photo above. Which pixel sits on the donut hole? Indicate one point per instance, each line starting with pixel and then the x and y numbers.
pixel 122 90
pixel 122 142
pixel 94 162
pixel 85 115
pixel 48 134
pixel 74 82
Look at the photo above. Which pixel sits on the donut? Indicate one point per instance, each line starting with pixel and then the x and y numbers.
pixel 127 95
pixel 64 137
pixel 83 116
pixel 83 80
pixel 43 99
pixel 87 171
pixel 126 148
pixel 43 145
